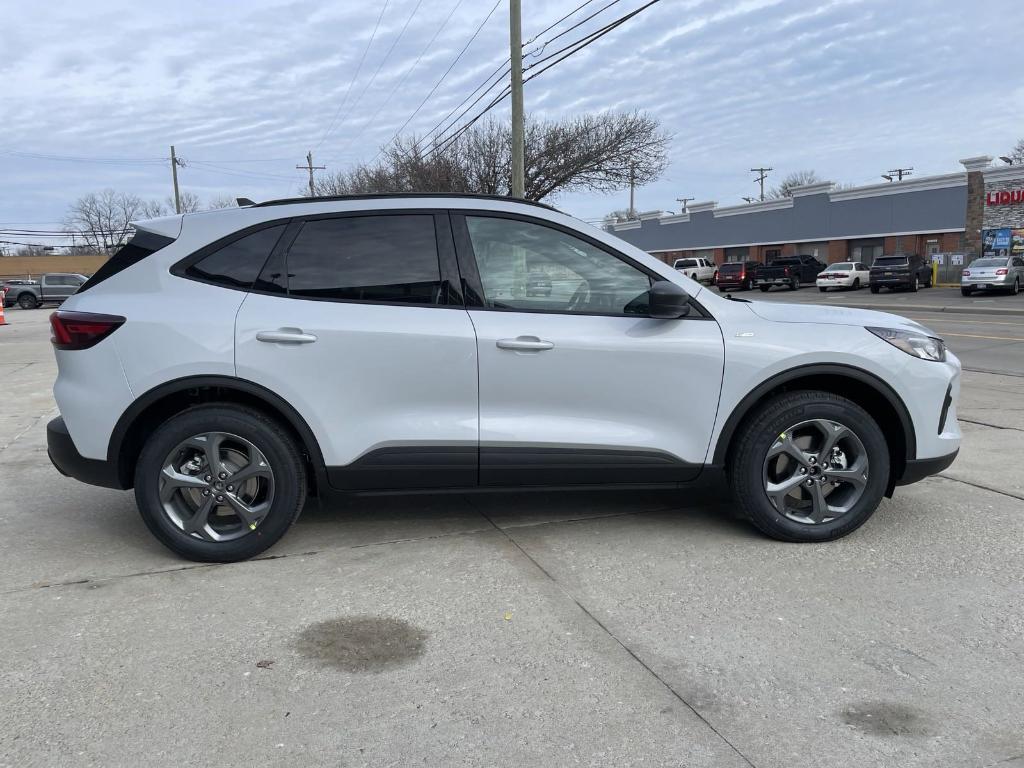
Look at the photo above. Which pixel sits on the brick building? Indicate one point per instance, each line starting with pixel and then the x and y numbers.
pixel 930 215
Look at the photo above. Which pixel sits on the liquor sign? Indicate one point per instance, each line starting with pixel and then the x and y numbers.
pixel 1005 197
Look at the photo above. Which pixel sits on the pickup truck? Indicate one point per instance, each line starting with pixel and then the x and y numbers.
pixel 701 270
pixel 52 288
pixel 790 271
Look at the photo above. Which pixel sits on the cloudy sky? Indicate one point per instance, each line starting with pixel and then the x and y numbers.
pixel 93 93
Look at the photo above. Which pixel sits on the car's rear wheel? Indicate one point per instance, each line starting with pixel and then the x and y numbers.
pixel 793 285
pixel 822 289
pixel 764 288
pixel 856 283
pixel 1016 286
pixel 219 483
pixel 28 301
pixel 874 288
pixel 966 291
pixel 915 285
pixel 812 466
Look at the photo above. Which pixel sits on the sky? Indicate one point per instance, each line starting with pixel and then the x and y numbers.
pixel 93 94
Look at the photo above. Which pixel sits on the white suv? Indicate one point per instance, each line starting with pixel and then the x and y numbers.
pixel 226 364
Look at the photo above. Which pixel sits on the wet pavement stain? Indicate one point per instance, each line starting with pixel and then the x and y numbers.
pixel 880 718
pixel 362 643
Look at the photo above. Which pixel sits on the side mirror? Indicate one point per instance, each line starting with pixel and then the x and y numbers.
pixel 668 301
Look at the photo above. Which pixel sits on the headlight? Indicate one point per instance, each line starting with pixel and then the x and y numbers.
pixel 916 344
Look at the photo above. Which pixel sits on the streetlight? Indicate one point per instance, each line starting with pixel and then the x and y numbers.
pixel 1007 160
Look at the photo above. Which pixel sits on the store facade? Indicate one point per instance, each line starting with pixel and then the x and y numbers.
pixel 950 219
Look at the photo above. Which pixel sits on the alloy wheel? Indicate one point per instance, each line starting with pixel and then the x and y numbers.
pixel 815 471
pixel 216 486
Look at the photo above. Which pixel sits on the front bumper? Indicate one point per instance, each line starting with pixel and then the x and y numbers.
pixel 70 463
pixel 919 469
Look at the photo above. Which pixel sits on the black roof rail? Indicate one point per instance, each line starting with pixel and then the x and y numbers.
pixel 409 195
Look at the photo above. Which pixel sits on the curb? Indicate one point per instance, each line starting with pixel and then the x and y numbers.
pixel 936 308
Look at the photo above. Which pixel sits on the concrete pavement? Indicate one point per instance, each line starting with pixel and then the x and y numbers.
pixel 527 629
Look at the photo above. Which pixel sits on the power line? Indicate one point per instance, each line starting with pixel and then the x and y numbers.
pixel 79 159
pixel 380 106
pixel 574 26
pixel 503 70
pixel 355 77
pixel 576 48
pixel 447 71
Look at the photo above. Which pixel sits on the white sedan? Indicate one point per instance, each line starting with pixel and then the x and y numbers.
pixel 844 274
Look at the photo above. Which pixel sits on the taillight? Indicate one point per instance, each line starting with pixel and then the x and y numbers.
pixel 743 274
pixel 81 330
pixel 967 273
pixel 1002 271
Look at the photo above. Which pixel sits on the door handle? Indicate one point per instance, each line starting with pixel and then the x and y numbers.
pixel 286 336
pixel 525 343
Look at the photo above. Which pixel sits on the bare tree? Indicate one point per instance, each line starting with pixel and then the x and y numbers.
pixel 102 218
pixel 597 153
pixel 221 201
pixel 1017 153
pixel 795 179
pixel 620 214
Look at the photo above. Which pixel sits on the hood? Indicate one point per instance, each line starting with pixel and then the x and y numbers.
pixel 821 315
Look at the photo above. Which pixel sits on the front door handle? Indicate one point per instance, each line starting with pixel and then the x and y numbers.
pixel 286 336
pixel 525 343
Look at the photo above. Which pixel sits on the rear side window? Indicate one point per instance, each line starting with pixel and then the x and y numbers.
pixel 135 250
pixel 237 264
pixel 389 259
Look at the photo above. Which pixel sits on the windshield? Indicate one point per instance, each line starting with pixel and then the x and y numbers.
pixel 891 261
pixel 989 263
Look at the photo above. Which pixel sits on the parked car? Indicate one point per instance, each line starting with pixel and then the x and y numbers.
pixel 52 288
pixel 737 275
pixel 538 285
pixel 8 287
pixel 1003 274
pixel 905 272
pixel 843 274
pixel 227 364
pixel 700 269
pixel 788 271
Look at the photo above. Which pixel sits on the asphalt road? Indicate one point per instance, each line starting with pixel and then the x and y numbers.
pixel 983 331
pixel 521 630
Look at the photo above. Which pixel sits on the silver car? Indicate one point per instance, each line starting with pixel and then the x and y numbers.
pixel 989 273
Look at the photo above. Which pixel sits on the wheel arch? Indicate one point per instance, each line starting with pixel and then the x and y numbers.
pixel 871 393
pixel 173 397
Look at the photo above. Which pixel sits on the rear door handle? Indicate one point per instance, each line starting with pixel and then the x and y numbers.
pixel 525 343
pixel 286 336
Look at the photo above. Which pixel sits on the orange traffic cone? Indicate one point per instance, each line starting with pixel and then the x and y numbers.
pixel 3 295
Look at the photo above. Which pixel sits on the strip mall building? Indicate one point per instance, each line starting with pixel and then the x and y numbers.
pixel 951 218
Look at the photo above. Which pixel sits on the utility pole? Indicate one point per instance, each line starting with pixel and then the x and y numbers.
pixel 515 42
pixel 762 175
pixel 632 191
pixel 683 201
pixel 175 162
pixel 310 167
pixel 899 173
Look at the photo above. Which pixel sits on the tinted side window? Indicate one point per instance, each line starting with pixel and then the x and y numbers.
pixel 236 264
pixel 367 258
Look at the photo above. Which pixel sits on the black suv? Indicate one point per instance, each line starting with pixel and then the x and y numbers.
pixel 906 271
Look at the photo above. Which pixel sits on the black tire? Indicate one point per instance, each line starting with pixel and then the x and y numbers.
pixel 747 284
pixel 1016 287
pixel 874 288
pixel 793 285
pixel 856 283
pixel 966 291
pixel 267 435
pixel 914 284
pixel 822 289
pixel 28 301
pixel 764 288
pixel 765 425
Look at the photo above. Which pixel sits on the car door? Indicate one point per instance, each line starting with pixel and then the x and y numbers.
pixel 356 321
pixel 581 386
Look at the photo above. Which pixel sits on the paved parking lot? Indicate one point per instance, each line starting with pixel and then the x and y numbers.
pixel 534 629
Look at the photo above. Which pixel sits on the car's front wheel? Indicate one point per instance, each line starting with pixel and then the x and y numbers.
pixel 811 466
pixel 219 483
